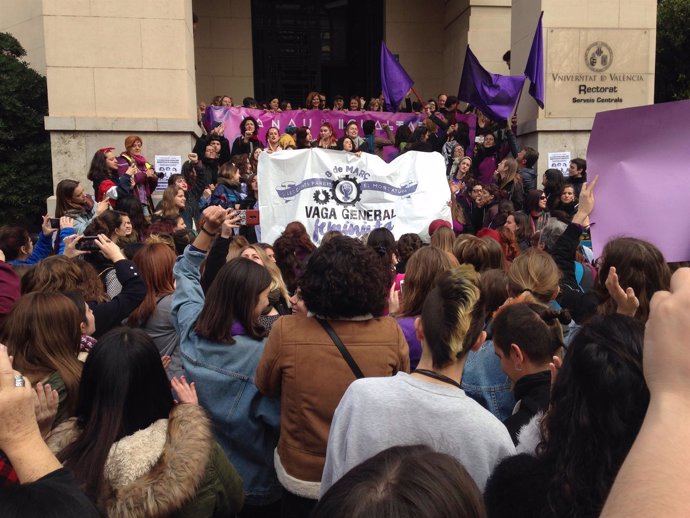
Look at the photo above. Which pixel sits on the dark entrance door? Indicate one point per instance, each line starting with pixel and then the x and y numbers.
pixel 328 46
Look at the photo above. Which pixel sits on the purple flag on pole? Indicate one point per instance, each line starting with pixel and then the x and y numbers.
pixel 395 82
pixel 534 70
pixel 495 95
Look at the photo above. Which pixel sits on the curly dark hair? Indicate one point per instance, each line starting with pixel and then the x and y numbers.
pixel 598 403
pixel 345 278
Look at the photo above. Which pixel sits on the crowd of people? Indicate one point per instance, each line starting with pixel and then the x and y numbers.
pixel 162 360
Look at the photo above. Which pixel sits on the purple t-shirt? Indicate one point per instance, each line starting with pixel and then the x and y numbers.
pixel 407 326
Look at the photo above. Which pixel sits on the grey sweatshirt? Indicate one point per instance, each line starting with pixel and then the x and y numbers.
pixel 378 413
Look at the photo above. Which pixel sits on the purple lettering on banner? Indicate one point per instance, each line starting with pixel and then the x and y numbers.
pixel 232 117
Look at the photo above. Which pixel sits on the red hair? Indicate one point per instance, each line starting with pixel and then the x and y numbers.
pixel 155 262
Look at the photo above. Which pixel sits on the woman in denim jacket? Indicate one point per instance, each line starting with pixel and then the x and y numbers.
pixel 221 342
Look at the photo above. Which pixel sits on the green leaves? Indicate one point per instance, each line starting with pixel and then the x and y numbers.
pixel 673 48
pixel 25 163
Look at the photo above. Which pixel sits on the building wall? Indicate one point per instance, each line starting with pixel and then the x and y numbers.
pixel 627 27
pixel 24 20
pixel 431 38
pixel 223 49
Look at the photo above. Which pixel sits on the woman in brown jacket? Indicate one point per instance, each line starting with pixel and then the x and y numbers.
pixel 345 286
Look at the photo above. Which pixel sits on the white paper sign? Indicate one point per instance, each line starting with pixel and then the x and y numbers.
pixel 168 165
pixel 560 160
pixel 336 190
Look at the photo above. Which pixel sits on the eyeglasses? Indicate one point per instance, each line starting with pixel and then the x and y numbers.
pixel 542 197
pixel 477 190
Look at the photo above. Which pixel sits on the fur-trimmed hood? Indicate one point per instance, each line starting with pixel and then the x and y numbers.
pixel 530 436
pixel 154 471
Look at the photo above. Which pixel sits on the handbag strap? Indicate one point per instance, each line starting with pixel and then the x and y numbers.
pixel 341 347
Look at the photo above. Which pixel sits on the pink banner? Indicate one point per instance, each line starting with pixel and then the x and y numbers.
pixel 231 118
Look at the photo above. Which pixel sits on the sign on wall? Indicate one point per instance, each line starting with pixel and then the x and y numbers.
pixel 560 160
pixel 593 70
pixel 336 190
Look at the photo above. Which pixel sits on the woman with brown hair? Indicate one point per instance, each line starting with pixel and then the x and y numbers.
pixel 173 203
pixel 637 265
pixel 71 201
pixel 221 341
pixel 43 333
pixel 155 262
pixel 443 239
pixel 228 192
pixel 421 273
pixel 509 181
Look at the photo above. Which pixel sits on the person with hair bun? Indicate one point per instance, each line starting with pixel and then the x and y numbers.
pixel 526 337
pixel 401 482
pixel 428 406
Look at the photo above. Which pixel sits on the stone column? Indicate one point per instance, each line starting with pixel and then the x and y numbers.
pixel 223 50
pixel 116 69
pixel 599 55
pixel 431 38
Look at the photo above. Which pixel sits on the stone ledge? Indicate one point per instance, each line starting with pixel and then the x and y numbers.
pixel 557 124
pixel 121 124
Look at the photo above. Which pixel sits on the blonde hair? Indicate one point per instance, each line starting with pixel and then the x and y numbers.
pixel 448 315
pixel 536 272
pixel 277 281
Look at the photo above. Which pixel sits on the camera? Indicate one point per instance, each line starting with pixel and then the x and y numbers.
pixel 54 222
pixel 160 175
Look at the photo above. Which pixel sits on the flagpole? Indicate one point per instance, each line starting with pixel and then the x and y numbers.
pixel 417 95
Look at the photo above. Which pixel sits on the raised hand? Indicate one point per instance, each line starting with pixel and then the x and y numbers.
pixel 626 300
pixel 45 406
pixel 186 392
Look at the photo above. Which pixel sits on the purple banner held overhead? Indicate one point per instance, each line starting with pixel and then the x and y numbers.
pixel 231 118
pixel 643 188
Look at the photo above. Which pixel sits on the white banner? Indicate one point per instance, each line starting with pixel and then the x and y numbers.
pixel 336 190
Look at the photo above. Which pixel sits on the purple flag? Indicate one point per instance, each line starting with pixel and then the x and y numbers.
pixel 534 69
pixel 395 82
pixel 495 95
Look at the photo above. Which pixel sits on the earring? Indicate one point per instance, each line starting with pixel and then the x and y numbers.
pixel 517 368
